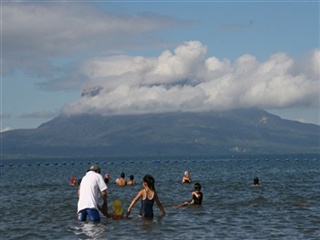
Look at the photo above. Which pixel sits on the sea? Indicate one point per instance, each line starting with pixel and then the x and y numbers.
pixel 38 202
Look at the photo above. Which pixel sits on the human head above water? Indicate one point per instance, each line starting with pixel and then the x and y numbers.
pixel 94 168
pixel 256 181
pixel 117 207
pixel 197 186
pixel 73 181
pixel 149 180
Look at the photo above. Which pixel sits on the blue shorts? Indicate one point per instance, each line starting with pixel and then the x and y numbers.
pixel 93 213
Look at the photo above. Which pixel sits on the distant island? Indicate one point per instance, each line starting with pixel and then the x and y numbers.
pixel 237 131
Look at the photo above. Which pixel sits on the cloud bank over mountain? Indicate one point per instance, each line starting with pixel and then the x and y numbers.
pixel 131 58
pixel 187 80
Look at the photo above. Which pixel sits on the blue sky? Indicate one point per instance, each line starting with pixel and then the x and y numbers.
pixel 135 57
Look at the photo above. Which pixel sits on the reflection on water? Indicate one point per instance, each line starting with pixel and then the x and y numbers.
pixel 90 230
pixel 37 201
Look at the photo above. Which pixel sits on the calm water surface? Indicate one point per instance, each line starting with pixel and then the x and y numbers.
pixel 37 201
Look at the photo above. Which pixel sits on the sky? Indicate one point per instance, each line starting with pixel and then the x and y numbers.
pixel 136 57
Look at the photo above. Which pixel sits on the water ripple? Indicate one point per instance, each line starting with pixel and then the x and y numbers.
pixel 37 201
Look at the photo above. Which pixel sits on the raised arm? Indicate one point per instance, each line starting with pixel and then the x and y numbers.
pixel 137 197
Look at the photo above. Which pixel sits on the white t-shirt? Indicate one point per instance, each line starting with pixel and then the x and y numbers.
pixel 92 184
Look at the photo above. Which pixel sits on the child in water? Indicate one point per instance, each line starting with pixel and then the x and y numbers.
pixel 148 195
pixel 186 178
pixel 131 181
pixel 117 211
pixel 196 196
pixel 73 181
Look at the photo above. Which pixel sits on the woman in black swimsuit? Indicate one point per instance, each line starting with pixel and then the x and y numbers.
pixel 148 196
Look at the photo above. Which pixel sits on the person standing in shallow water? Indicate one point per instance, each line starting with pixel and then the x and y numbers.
pixel 91 188
pixel 148 195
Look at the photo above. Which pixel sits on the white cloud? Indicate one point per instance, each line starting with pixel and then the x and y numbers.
pixel 37 36
pixel 34 34
pixel 185 80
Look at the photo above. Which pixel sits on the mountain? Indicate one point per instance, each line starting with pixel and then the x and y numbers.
pixel 240 131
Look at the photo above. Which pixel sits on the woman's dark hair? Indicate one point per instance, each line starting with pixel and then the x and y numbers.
pixel 131 177
pixel 197 186
pixel 122 175
pixel 150 181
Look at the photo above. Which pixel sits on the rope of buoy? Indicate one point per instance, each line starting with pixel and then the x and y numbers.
pixel 156 161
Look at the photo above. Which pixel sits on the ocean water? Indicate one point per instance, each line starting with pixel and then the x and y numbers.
pixel 37 201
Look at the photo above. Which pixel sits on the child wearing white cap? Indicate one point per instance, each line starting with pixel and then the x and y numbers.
pixel 186 178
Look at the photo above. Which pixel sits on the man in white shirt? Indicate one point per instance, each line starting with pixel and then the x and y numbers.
pixel 92 188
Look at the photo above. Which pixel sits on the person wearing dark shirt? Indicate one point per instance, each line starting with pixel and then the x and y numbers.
pixel 196 197
pixel 107 178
